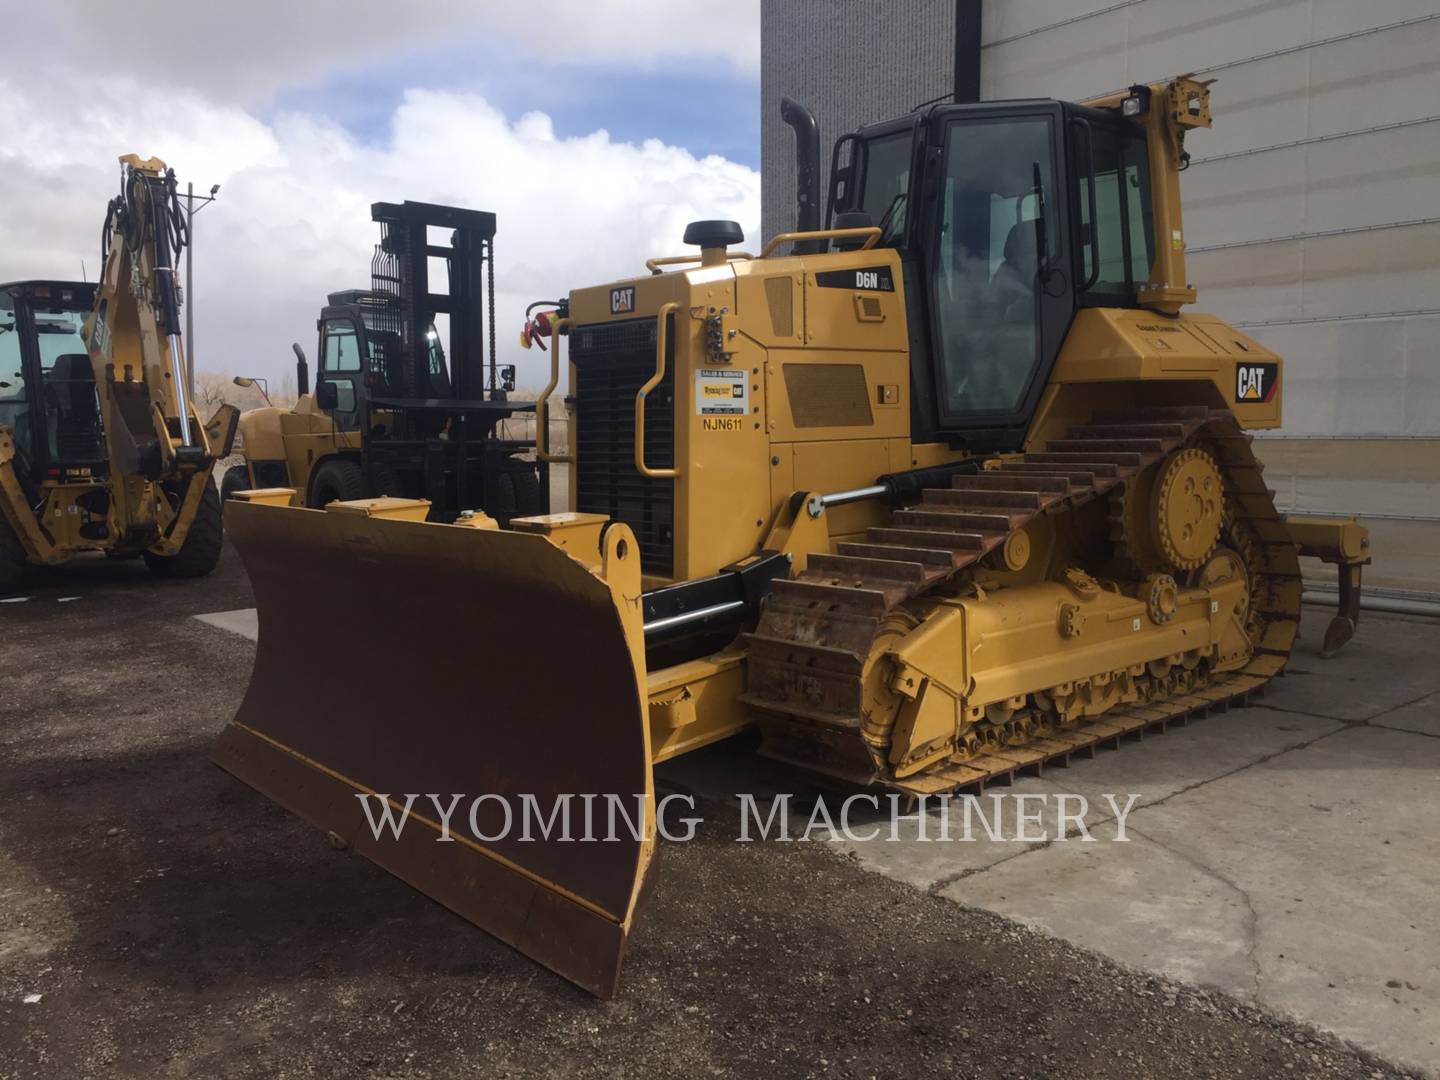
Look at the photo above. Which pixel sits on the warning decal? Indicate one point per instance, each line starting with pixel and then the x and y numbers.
pixel 722 392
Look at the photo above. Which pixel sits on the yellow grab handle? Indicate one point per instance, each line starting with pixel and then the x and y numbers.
pixel 662 339
pixel 654 265
pixel 542 408
pixel 870 232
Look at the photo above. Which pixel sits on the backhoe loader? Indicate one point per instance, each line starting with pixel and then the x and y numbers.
pixel 952 487
pixel 100 447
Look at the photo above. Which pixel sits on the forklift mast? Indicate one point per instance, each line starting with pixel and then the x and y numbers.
pixel 407 303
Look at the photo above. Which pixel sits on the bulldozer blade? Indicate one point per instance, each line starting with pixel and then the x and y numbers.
pixel 399 658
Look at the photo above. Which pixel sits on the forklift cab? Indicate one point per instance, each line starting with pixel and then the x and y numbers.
pixel 47 383
pixel 361 357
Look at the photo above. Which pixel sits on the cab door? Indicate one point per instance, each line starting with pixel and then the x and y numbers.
pixel 16 409
pixel 1001 299
pixel 342 365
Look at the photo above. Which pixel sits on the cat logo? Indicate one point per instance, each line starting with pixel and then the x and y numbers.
pixel 622 301
pixel 1256 382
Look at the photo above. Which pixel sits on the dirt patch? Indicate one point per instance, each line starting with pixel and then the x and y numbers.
pixel 174 923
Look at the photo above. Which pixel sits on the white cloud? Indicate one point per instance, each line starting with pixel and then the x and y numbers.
pixel 292 221
pixel 248 51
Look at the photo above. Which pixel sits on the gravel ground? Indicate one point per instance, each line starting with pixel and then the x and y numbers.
pixel 174 923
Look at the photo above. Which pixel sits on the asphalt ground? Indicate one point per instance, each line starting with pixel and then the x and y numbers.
pixel 158 918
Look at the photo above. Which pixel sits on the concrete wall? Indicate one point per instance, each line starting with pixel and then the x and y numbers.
pixel 1312 207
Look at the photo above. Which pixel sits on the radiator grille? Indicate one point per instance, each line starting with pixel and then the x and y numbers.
pixel 612 361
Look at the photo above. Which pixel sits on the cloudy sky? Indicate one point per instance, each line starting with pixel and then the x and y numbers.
pixel 594 131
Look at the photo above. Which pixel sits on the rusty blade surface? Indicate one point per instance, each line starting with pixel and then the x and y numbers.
pixel 400 657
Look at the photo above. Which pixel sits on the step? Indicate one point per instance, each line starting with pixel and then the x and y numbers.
pixel 824 657
pixel 1123 459
pixel 933 538
pixel 1021 500
pixel 929 556
pixel 940 517
pixel 1085 446
pixel 853 569
pixel 1100 470
pixel 798 593
pixel 1076 479
pixel 995 481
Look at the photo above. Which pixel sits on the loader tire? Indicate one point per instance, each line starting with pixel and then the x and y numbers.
pixel 388 482
pixel 201 551
pixel 237 478
pixel 525 478
pixel 14 566
pixel 337 480
pixel 517 490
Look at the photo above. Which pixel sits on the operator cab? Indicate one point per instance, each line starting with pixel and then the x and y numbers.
pixel 1008 216
pixel 362 354
pixel 47 384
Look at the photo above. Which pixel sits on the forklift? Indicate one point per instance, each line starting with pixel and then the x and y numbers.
pixel 394 412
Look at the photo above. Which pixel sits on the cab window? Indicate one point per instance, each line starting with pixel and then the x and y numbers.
pixel 997 222
pixel 72 404
pixel 886 183
pixel 1122 236
pixel 14 412
pixel 342 346
pixel 12 371
pixel 340 361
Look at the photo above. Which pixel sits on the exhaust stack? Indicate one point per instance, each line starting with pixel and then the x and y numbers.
pixel 807 172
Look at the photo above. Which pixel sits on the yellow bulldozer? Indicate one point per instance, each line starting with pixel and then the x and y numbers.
pixel 948 488
pixel 100 447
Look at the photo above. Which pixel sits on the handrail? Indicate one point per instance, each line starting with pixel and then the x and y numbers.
pixel 870 232
pixel 662 341
pixel 542 407
pixel 653 265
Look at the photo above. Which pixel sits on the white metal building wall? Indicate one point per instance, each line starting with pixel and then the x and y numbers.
pixel 1312 208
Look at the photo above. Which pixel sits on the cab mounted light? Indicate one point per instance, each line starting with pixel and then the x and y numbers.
pixel 1137 103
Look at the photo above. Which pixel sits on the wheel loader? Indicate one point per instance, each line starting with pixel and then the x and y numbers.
pixel 946 489
pixel 392 413
pixel 100 447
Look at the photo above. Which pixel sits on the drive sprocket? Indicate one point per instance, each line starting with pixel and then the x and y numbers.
pixel 1188 508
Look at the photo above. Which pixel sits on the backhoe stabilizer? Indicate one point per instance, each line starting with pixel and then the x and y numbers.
pixel 401 658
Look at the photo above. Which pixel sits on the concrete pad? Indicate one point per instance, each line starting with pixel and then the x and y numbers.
pixel 242 621
pixel 1306 882
pixel 1390 663
pixel 962 837
pixel 1158 766
pixel 1152 769
pixel 1422 716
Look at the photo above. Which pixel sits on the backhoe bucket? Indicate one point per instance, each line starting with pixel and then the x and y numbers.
pixel 401 658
